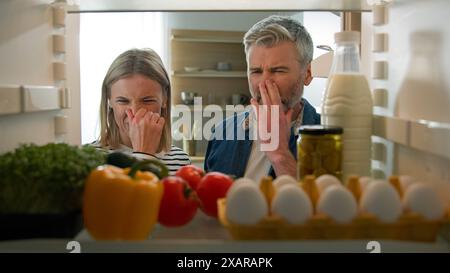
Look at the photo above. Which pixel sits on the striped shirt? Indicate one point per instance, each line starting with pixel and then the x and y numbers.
pixel 174 159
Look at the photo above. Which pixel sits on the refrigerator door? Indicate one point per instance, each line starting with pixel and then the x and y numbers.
pixel 404 52
pixel 39 74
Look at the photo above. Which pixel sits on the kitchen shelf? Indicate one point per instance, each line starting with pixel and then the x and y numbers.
pixel 199 159
pixel 208 5
pixel 205 55
pixel 230 40
pixel 428 136
pixel 210 74
pixel 203 109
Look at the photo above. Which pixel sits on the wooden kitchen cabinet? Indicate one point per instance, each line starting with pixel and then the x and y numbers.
pixel 203 49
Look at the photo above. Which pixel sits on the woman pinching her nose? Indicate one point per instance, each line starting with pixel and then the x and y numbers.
pixel 135 109
pixel 143 126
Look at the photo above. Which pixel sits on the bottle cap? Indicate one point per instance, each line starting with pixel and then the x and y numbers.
pixel 347 36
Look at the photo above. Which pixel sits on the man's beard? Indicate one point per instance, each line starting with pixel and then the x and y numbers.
pixel 286 104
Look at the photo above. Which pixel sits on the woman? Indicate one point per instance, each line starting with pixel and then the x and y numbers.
pixel 135 109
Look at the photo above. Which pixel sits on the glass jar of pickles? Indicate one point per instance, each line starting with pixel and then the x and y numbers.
pixel 319 151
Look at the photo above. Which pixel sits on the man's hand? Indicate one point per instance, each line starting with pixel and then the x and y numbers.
pixel 281 158
pixel 145 130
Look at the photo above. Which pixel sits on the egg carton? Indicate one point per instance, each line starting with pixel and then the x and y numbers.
pixel 409 227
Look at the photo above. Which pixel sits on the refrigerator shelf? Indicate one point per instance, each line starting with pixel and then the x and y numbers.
pixel 428 136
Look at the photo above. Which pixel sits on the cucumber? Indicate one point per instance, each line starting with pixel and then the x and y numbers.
pixel 120 160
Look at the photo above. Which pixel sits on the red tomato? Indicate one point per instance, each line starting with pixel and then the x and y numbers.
pixel 214 185
pixel 192 174
pixel 178 204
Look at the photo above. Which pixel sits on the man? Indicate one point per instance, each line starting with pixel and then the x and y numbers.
pixel 279 51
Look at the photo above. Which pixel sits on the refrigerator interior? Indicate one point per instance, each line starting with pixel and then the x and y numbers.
pixel 407 87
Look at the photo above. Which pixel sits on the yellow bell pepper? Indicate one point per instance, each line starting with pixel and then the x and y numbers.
pixel 121 204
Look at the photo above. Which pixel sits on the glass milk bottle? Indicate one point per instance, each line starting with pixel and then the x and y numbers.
pixel 347 103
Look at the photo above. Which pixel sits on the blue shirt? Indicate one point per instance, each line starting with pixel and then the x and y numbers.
pixel 231 156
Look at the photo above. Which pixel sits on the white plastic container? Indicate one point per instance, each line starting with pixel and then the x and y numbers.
pixel 347 103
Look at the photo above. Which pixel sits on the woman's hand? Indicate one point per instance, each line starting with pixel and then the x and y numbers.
pixel 145 130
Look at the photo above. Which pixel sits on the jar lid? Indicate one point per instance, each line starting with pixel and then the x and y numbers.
pixel 320 130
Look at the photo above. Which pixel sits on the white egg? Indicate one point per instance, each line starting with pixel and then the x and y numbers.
pixel 238 181
pixel 284 180
pixel 338 203
pixel 326 180
pixel 246 204
pixel 292 204
pixel 363 182
pixel 244 180
pixel 406 181
pixel 423 199
pixel 382 200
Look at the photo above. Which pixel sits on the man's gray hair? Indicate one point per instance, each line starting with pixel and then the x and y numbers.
pixel 275 29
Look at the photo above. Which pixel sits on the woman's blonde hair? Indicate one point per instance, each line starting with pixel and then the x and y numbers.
pixel 144 62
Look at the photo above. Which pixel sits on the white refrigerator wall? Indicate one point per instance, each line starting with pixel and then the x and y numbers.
pixel 418 39
pixel 26 57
